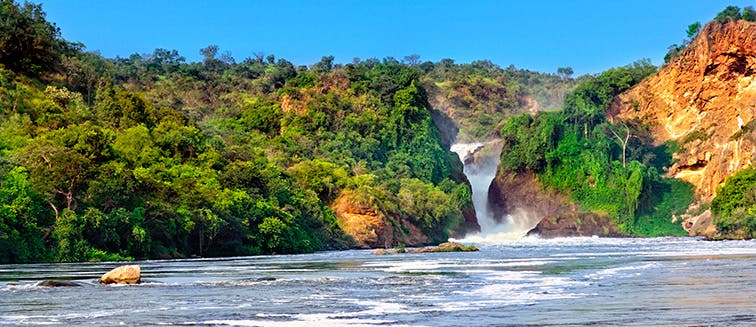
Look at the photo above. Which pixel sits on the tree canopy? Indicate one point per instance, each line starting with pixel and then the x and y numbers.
pixel 153 157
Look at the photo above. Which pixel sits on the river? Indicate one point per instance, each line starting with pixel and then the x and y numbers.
pixel 528 282
pixel 512 281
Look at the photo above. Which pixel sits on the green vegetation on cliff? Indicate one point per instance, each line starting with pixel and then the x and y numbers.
pixel 730 13
pixel 606 167
pixel 734 207
pixel 735 13
pixel 153 157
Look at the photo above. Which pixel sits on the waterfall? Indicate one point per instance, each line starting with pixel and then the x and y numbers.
pixel 480 162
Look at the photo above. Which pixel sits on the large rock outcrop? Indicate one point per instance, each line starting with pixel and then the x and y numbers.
pixel 577 224
pixel 543 211
pixel 704 100
pixel 371 228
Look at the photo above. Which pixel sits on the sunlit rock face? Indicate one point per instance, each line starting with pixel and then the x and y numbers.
pixel 371 228
pixel 704 100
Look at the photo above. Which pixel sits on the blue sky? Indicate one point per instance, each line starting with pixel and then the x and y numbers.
pixel 589 36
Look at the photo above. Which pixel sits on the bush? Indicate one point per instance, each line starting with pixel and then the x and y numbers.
pixel 734 206
pixel 729 13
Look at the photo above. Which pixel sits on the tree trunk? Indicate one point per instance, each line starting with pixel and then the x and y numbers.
pixel 623 143
pixel 55 209
pixel 48 231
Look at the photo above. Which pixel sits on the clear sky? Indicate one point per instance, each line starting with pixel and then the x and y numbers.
pixel 541 35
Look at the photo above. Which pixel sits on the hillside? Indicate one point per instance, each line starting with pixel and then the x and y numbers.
pixel 635 151
pixel 153 157
pixel 478 97
pixel 705 102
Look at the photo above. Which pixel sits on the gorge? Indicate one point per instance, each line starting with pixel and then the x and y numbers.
pixel 154 157
pixel 481 161
pixel 266 192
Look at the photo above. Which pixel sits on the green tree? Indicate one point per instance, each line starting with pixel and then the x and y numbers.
pixel 693 29
pixel 20 236
pixel 28 43
pixel 729 13
pixel 587 105
pixel 734 206
pixel 433 210
pixel 324 178
pixel 117 108
pixel 69 235
pixel 565 72
pixel 56 172
pixel 323 66
pixel 749 14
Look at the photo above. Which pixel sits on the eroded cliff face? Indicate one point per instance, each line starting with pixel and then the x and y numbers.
pixel 703 100
pixel 371 228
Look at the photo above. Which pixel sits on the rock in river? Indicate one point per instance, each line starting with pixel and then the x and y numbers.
pixel 446 247
pixel 56 283
pixel 122 275
pixel 443 247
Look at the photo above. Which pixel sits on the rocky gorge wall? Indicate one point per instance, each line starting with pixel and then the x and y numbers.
pixel 705 101
pixel 546 212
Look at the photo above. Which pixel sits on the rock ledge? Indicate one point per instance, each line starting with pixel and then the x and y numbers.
pixel 443 247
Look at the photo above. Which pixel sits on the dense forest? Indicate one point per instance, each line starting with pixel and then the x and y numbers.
pixel 152 156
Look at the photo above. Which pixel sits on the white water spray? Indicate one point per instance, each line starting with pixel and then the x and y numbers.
pixel 480 162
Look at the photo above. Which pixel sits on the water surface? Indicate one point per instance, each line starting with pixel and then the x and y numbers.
pixel 530 282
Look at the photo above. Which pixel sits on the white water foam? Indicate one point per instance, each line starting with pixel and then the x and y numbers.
pixel 633 270
pixel 518 288
pixel 54 319
pixel 372 308
pixel 311 320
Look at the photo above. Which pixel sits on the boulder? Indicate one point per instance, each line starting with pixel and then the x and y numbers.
pixel 380 251
pixel 56 283
pixel 130 274
pixel 455 247
pixel 266 279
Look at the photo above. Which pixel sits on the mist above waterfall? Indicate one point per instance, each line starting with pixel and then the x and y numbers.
pixel 480 163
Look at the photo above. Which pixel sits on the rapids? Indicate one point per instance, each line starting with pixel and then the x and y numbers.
pixel 528 282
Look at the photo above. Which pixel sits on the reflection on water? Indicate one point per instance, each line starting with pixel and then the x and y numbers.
pixel 560 282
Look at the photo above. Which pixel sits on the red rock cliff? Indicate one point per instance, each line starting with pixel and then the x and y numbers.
pixel 702 100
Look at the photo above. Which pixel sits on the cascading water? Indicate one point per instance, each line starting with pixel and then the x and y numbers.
pixel 480 162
